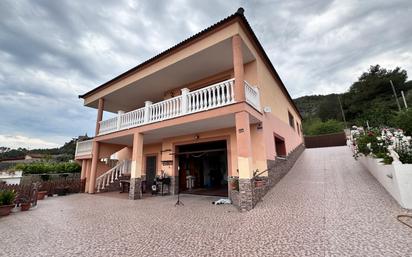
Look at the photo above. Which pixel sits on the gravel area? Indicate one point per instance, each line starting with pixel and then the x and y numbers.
pixel 327 205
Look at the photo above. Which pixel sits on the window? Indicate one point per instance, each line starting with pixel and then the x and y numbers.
pixel 297 127
pixel 291 120
pixel 280 146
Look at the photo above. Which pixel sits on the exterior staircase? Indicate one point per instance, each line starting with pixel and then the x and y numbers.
pixel 110 180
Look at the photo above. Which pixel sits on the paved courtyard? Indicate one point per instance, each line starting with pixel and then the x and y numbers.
pixel 327 205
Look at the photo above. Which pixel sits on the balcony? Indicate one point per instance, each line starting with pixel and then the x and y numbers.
pixel 84 148
pixel 210 97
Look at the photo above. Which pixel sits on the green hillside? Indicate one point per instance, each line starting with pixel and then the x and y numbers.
pixel 370 98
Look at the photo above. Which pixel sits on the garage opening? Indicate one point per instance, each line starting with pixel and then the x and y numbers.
pixel 203 168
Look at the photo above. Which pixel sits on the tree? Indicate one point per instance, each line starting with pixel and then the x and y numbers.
pixel 372 93
pixel 329 108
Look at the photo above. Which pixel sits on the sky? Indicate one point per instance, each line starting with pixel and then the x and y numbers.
pixel 53 51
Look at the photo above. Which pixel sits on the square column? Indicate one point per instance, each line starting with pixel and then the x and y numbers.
pixel 99 115
pixel 244 160
pixel 93 169
pixel 135 191
pixel 87 175
pixel 83 172
pixel 238 68
pixel 244 145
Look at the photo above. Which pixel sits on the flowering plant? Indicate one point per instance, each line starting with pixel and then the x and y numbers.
pixel 386 143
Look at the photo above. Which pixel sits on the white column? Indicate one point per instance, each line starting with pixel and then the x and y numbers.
pixel 185 91
pixel 119 115
pixel 146 111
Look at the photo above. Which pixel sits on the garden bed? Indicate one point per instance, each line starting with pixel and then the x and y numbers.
pixel 387 154
pixel 396 178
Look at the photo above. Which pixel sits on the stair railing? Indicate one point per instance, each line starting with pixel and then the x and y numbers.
pixel 111 175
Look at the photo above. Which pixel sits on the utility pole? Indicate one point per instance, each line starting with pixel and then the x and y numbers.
pixel 404 100
pixel 343 114
pixel 396 97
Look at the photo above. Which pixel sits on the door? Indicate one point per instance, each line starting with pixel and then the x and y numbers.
pixel 150 170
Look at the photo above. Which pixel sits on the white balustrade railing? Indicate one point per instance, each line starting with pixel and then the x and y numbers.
pixel 84 147
pixel 107 126
pixel 132 119
pixel 164 110
pixel 252 95
pixel 214 96
pixel 112 175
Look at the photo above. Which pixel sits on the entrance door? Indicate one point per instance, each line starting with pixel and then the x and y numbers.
pixel 150 170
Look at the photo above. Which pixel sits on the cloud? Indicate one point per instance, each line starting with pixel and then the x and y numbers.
pixel 16 141
pixel 52 51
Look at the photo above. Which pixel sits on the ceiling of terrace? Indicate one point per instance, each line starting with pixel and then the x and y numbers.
pixel 210 61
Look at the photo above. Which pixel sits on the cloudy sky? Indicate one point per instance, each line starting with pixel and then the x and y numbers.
pixel 52 51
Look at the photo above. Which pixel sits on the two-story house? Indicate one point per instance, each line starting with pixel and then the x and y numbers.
pixel 208 111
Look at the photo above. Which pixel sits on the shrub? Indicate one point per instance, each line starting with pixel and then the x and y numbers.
pixel 405 154
pixel 7 197
pixel 318 127
pixel 48 167
pixel 403 120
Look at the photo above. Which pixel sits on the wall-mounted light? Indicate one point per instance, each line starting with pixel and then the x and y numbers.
pixel 267 109
pixel 197 137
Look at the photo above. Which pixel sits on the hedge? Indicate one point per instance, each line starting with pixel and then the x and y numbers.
pixel 48 167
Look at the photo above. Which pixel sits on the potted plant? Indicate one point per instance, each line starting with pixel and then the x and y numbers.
pixel 234 184
pixel 259 182
pixel 41 195
pixel 25 204
pixel 7 198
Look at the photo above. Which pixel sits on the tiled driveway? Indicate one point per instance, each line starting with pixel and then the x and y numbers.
pixel 326 206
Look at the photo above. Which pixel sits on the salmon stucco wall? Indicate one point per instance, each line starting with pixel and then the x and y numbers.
pixel 271 125
pixel 259 143
pixel 124 154
pixel 106 150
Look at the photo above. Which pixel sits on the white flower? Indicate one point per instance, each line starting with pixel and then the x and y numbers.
pixel 368 145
